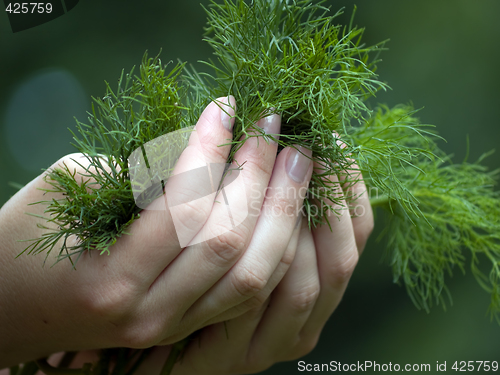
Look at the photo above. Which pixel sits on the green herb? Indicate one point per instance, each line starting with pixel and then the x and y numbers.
pixel 290 58
pixel 436 209
pixel 99 205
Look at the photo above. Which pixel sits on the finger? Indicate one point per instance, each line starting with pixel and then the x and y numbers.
pixel 220 243
pixel 278 334
pixel 154 241
pixel 361 211
pixel 229 340
pixel 253 271
pixel 257 301
pixel 355 191
pixel 234 339
pixel 337 256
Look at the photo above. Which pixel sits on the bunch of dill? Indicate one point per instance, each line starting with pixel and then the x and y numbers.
pixel 291 58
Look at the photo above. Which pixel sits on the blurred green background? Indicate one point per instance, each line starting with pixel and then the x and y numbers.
pixel 443 55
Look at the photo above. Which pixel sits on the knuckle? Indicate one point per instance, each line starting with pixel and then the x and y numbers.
pixel 227 247
pixel 112 300
pixel 255 304
pixel 288 257
pixel 304 300
pixel 218 153
pixel 280 205
pixel 344 270
pixel 260 165
pixel 190 214
pixel 247 283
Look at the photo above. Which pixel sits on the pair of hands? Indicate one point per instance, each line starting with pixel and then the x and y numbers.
pixel 272 281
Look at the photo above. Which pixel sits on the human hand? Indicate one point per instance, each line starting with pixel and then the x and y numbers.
pixel 150 290
pixel 285 324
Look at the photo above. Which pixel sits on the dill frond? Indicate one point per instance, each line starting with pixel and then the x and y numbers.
pixel 290 58
pixel 436 210
pixel 98 205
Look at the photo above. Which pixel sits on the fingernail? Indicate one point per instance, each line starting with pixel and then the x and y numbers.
pixel 227 112
pixel 271 125
pixel 297 164
pixel 339 141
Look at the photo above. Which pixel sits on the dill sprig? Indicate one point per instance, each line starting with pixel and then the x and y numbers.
pixel 436 209
pixel 290 58
pixel 98 205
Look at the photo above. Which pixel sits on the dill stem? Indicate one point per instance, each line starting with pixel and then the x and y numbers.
pixel 172 358
pixel 382 200
pixel 174 355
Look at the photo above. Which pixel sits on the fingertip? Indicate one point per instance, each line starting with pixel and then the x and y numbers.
pixel 298 163
pixel 271 124
pixel 227 107
pixel 339 141
pixel 219 112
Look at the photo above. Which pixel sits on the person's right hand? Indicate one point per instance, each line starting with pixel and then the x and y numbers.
pixel 150 290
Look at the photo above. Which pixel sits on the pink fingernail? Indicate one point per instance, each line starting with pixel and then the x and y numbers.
pixel 271 125
pixel 297 163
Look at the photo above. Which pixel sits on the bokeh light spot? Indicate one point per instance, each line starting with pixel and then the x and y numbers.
pixel 39 113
